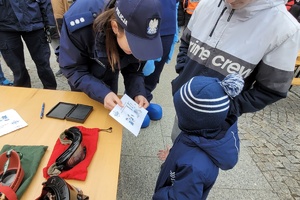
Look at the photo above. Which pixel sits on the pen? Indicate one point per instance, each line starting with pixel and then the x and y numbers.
pixel 42 111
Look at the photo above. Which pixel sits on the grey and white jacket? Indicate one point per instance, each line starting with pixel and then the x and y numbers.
pixel 260 42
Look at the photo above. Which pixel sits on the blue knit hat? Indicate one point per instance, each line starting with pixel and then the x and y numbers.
pixel 203 102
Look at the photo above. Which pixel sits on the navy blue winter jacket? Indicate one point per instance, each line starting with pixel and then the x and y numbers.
pixel 169 18
pixel 25 15
pixel 193 163
pixel 83 59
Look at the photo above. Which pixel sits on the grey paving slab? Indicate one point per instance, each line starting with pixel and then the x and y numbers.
pixel 137 177
pixel 145 144
pixel 238 194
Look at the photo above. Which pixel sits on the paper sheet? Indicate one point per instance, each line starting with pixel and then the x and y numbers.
pixel 130 116
pixel 10 121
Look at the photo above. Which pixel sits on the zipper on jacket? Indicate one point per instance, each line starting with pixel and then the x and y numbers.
pixel 212 31
pixel 230 15
pixel 99 62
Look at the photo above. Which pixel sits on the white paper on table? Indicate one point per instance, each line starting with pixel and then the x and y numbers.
pixel 130 115
pixel 10 121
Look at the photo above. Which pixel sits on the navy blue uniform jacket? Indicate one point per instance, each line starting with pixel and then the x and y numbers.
pixel 83 59
pixel 193 163
pixel 25 16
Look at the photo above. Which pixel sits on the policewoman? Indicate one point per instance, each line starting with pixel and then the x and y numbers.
pixel 99 40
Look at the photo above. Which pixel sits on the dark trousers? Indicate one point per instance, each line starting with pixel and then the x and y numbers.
pixel 152 80
pixel 11 47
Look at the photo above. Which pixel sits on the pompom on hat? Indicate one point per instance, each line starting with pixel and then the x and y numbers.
pixel 203 102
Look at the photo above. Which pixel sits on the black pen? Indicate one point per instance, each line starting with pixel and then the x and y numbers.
pixel 42 111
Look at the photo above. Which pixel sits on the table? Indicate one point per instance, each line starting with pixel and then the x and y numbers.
pixel 103 171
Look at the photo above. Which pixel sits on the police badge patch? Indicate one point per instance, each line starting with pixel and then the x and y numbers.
pixel 153 26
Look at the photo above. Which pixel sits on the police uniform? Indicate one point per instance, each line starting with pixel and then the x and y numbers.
pixel 26 19
pixel 83 59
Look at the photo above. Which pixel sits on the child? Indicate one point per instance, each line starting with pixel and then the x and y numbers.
pixel 208 139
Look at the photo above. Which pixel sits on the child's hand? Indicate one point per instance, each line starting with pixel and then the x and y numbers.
pixel 163 154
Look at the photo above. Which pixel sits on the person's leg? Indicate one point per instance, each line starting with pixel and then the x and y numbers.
pixel 11 47
pixel 39 50
pixel 152 80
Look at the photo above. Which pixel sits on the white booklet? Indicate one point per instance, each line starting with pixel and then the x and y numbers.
pixel 10 121
pixel 130 115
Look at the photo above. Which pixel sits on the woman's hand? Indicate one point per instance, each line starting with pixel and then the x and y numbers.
pixel 111 100
pixel 142 101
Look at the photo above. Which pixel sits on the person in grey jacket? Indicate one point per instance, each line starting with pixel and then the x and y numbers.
pixel 27 21
pixel 237 36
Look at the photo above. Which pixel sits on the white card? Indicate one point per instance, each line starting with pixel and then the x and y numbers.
pixel 130 115
pixel 10 121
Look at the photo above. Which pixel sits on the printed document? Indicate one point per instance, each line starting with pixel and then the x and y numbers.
pixel 10 121
pixel 130 115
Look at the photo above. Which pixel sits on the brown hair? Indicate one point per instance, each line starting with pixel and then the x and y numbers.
pixel 103 24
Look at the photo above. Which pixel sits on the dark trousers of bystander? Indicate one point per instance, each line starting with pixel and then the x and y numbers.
pixel 152 80
pixel 11 47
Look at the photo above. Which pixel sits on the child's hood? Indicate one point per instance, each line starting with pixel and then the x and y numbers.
pixel 223 152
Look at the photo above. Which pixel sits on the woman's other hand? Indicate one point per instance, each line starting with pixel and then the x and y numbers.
pixel 142 101
pixel 111 100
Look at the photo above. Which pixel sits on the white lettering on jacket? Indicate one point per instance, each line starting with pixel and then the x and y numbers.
pixel 219 60
pixel 172 176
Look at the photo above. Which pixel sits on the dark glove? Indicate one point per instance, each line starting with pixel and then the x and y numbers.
pixel 51 33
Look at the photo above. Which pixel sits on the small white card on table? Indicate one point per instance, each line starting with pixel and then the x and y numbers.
pixel 10 121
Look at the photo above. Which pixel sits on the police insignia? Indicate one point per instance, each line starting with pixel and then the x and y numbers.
pixel 153 26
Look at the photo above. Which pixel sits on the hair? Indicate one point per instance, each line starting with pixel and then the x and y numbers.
pixel 103 24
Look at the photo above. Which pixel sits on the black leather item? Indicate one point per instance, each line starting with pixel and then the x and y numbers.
pixel 75 153
pixel 56 188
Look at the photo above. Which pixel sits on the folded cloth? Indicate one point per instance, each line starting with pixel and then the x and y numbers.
pixel 79 171
pixel 31 158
